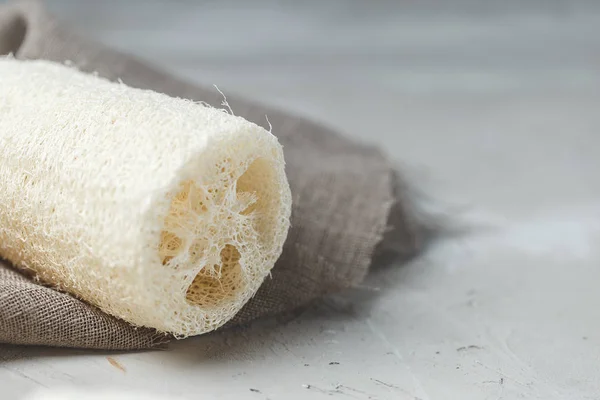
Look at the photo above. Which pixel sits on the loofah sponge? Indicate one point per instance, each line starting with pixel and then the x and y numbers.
pixel 161 211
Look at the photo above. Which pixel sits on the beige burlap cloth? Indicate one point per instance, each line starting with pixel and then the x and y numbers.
pixel 348 203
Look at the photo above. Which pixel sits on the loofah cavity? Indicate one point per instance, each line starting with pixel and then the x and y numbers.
pixel 209 225
pixel 219 283
pixel 259 198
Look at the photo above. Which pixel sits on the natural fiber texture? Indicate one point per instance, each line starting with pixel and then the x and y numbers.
pixel 347 200
pixel 163 212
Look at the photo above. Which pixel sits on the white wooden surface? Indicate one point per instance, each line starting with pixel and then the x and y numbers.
pixel 492 107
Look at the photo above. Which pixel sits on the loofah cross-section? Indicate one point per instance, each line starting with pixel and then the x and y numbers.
pixel 160 211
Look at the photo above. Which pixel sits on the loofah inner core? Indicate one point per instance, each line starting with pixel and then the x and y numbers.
pixel 257 188
pixel 213 286
pixel 213 228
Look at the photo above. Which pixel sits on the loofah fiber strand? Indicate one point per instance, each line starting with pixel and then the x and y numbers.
pixel 163 212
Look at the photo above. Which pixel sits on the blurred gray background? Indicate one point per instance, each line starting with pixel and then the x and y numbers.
pixel 389 72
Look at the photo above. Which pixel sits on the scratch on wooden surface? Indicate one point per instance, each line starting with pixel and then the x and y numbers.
pixel 422 394
pixel 471 347
pixel 24 375
pixel 337 390
pixel 340 387
pixel 500 382
pixel 397 389
pixel 385 383
pixel 504 376
pixel 285 346
pixel 116 364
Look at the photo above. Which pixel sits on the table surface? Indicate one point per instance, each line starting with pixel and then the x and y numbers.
pixel 493 110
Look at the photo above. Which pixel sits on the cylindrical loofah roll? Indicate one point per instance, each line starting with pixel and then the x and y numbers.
pixel 161 211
